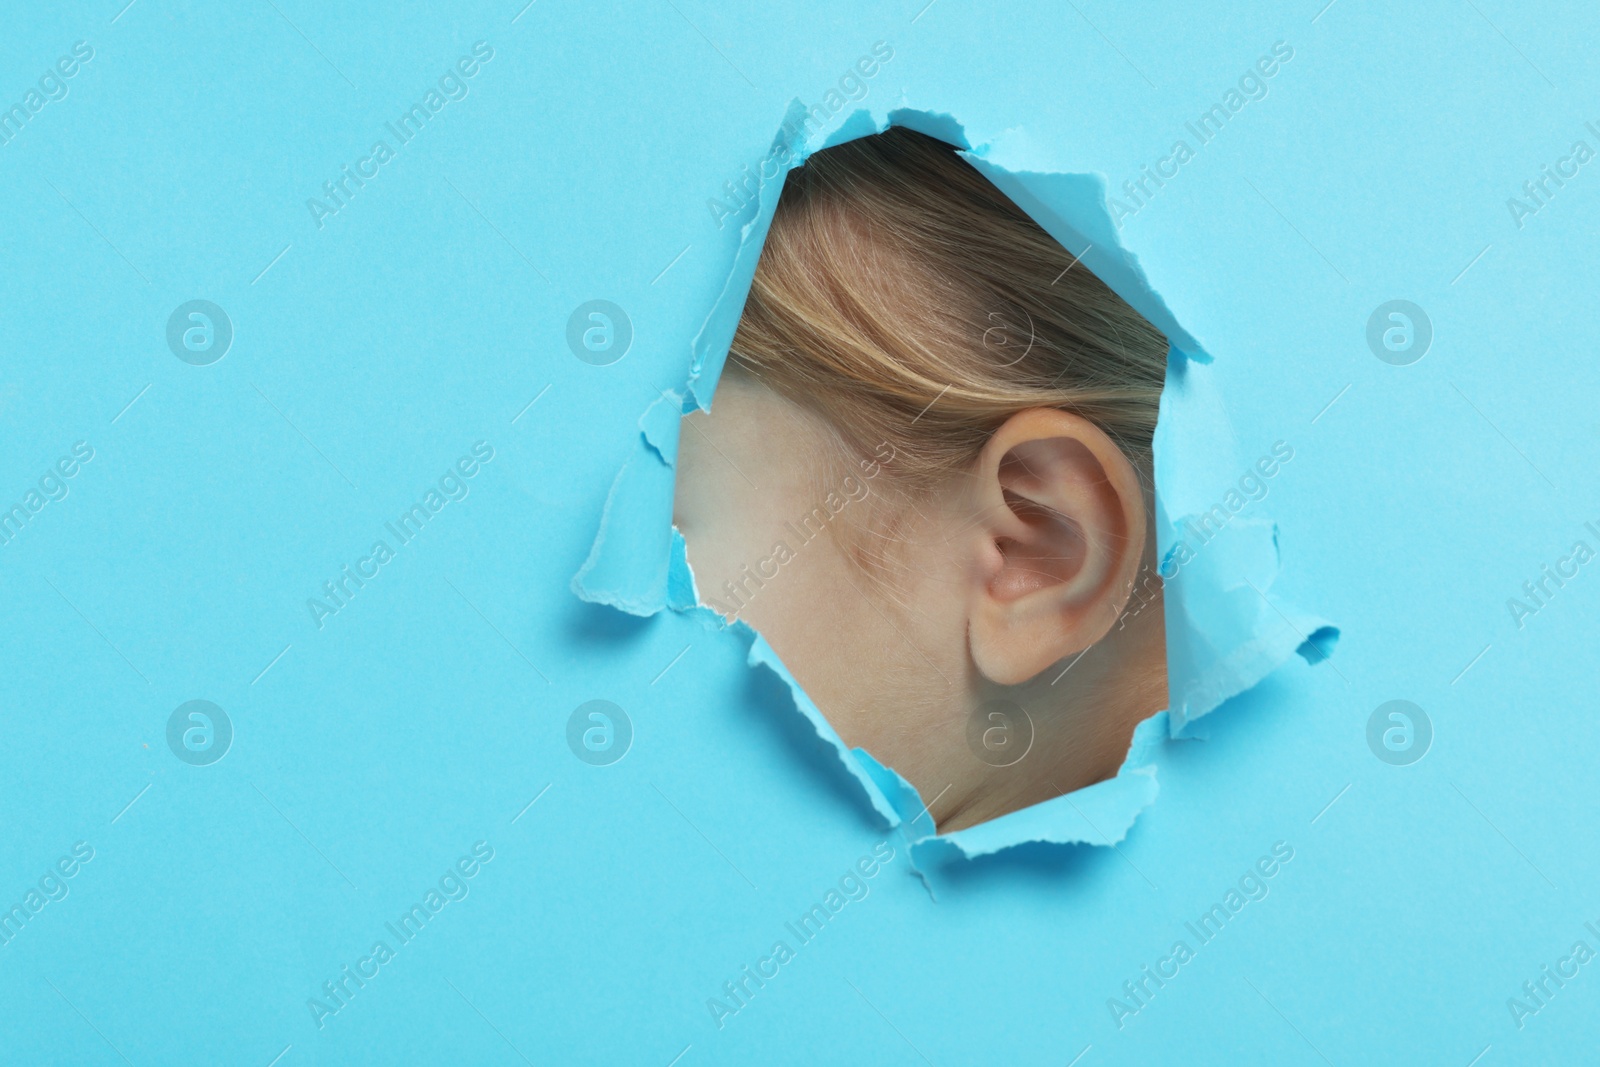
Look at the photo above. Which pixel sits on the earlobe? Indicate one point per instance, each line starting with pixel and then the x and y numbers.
pixel 1057 544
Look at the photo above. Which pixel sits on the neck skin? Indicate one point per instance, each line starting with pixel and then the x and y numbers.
pixel 1083 713
pixel 892 671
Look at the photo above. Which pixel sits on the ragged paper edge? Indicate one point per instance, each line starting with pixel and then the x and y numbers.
pixel 762 655
pixel 1088 235
pixel 641 567
pixel 1227 627
pixel 1098 814
pixel 708 351
pixel 635 576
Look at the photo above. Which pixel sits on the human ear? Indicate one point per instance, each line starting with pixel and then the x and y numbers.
pixel 1055 545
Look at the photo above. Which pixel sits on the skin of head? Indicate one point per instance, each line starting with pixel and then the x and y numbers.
pixel 925 479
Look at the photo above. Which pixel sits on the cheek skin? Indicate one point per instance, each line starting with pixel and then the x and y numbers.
pixel 741 469
pixel 889 677
pixel 748 474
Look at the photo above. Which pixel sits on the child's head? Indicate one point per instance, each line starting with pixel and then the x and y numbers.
pixel 926 478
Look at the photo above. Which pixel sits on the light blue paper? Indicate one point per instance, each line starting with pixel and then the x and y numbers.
pixel 606 155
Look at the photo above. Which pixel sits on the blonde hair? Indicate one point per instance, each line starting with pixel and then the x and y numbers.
pixel 907 300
